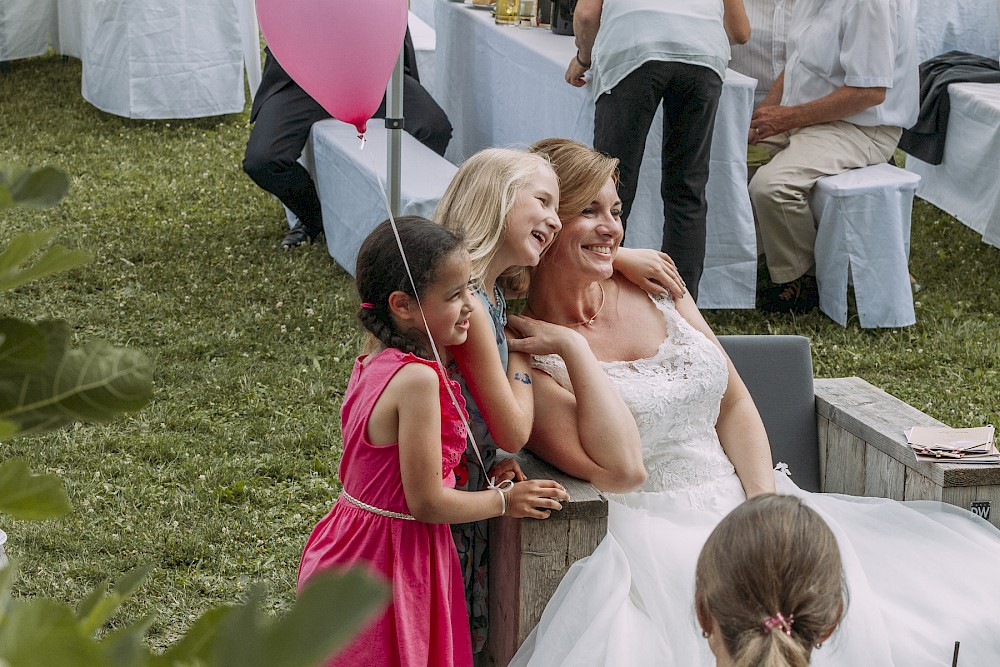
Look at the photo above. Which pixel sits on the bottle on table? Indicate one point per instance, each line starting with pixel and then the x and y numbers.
pixel 562 16
pixel 527 13
pixel 507 12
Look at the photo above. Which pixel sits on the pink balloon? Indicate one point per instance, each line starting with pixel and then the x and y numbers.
pixel 341 52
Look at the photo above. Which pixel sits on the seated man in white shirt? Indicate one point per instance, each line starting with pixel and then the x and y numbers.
pixel 763 57
pixel 848 89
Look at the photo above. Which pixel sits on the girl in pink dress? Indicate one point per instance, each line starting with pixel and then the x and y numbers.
pixel 403 437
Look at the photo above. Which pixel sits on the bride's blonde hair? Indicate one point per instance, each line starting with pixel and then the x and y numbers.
pixel 478 201
pixel 771 578
pixel 582 172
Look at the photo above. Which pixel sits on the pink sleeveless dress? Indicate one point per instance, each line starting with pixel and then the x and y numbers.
pixel 427 623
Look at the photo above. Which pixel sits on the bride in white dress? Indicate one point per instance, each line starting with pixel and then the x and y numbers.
pixel 920 575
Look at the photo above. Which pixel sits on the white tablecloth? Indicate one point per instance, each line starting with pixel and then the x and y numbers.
pixel 965 183
pixel 178 59
pixel 145 58
pixel 424 44
pixel 424 9
pixel 26 28
pixel 503 86
pixel 958 25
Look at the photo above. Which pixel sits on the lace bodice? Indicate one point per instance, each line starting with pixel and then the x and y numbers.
pixel 674 397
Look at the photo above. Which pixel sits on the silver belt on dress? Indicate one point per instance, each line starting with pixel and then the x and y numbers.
pixel 375 510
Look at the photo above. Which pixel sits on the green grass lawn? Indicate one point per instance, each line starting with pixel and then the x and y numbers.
pixel 220 479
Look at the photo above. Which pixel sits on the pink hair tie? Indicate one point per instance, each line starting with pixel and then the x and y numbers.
pixel 368 306
pixel 779 621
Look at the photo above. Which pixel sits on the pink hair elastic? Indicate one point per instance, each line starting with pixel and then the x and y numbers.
pixel 368 306
pixel 779 620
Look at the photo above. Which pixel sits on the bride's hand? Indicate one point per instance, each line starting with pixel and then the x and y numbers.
pixel 533 336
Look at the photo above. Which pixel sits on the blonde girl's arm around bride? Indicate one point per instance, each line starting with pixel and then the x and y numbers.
pixel 589 432
pixel 740 429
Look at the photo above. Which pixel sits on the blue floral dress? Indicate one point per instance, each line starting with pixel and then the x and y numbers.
pixel 471 538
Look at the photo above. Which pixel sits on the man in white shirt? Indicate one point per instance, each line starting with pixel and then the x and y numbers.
pixel 763 57
pixel 848 89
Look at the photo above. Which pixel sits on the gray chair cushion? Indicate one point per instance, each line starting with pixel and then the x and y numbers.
pixel 778 372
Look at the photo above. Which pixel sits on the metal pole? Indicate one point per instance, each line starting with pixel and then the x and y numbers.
pixel 394 129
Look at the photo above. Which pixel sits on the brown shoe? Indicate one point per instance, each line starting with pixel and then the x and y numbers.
pixel 799 296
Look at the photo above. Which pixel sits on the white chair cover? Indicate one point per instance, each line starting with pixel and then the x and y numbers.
pixel 864 232
pixel 350 196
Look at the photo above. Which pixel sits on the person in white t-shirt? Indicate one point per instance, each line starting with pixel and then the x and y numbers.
pixel 849 88
pixel 648 53
pixel 763 57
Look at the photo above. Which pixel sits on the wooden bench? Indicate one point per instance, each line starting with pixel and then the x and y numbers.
pixel 859 446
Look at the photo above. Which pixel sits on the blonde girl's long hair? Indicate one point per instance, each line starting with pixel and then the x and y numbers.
pixel 771 555
pixel 582 172
pixel 479 200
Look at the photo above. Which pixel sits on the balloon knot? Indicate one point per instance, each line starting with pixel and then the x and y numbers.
pixel 363 139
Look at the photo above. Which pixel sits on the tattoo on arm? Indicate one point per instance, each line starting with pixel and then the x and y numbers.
pixel 523 377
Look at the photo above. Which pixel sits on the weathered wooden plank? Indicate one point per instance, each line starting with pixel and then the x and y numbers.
pixel 884 475
pixel 919 487
pixel 874 416
pixel 880 419
pixel 505 591
pixel 964 496
pixel 822 433
pixel 845 462
pixel 585 500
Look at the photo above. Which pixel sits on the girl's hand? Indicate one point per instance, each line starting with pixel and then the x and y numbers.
pixel 539 337
pixel 505 469
pixel 652 270
pixel 535 498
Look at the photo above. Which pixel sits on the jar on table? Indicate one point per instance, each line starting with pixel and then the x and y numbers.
pixel 507 12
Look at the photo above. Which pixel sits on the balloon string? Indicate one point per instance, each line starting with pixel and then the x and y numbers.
pixel 490 481
pixel 363 140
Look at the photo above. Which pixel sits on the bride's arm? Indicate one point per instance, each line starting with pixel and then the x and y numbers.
pixel 589 432
pixel 740 429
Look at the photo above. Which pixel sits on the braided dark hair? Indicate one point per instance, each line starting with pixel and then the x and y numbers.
pixel 380 272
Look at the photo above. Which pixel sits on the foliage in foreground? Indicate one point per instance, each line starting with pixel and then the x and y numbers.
pixel 45 385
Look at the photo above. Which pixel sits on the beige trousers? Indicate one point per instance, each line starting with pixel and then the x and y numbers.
pixel 779 191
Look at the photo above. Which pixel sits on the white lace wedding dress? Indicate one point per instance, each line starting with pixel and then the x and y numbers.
pixel 921 575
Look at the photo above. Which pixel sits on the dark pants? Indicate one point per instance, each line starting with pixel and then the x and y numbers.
pixel 690 98
pixel 281 128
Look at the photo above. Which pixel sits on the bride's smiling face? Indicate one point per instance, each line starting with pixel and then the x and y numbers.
pixel 589 242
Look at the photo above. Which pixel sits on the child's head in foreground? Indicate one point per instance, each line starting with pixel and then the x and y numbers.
pixel 769 586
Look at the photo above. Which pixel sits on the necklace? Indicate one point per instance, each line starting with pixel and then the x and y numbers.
pixel 590 322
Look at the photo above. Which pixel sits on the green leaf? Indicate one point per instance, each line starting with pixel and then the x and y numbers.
pixel 32 188
pixel 331 609
pixel 20 249
pixel 22 346
pixel 8 429
pixel 41 633
pixel 240 634
pixel 195 647
pixel 93 384
pixel 27 496
pixel 7 576
pixel 124 647
pixel 99 606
